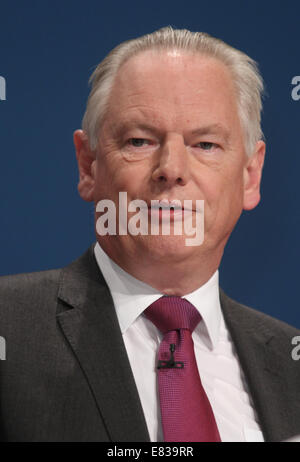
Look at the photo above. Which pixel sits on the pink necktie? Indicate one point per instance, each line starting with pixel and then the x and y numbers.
pixel 186 413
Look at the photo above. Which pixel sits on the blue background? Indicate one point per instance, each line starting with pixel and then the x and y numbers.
pixel 48 50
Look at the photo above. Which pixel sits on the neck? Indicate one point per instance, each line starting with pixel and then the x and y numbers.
pixel 168 276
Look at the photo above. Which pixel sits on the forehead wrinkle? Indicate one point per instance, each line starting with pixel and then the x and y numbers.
pixel 137 115
pixel 150 98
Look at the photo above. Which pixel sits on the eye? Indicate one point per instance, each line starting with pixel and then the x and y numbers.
pixel 206 145
pixel 137 142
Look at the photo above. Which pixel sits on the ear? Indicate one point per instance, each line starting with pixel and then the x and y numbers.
pixel 86 159
pixel 252 176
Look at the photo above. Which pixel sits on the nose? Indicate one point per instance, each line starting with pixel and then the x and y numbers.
pixel 173 166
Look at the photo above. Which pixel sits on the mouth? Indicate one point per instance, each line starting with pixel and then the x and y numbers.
pixel 162 210
pixel 173 206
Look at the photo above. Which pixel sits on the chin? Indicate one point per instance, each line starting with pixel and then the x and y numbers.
pixel 165 248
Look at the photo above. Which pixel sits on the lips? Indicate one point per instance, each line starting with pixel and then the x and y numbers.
pixel 166 204
pixel 173 205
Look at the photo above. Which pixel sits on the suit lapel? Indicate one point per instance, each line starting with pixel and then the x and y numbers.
pixel 270 373
pixel 87 317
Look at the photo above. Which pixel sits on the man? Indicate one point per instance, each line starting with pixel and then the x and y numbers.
pixel 172 116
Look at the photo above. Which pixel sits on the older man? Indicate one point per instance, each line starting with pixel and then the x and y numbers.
pixel 135 341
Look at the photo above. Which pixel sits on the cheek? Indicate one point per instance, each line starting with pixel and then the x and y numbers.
pixel 105 178
pixel 223 193
pixel 115 174
pixel 232 200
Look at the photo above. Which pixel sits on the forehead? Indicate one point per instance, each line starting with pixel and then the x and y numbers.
pixel 173 84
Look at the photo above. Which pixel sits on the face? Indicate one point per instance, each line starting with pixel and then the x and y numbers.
pixel 172 131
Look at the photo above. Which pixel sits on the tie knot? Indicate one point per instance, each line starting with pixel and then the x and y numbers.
pixel 172 313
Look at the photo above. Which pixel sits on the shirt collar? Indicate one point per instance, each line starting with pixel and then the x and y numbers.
pixel 132 296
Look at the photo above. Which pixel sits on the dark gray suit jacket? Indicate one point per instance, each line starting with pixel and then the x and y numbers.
pixel 67 377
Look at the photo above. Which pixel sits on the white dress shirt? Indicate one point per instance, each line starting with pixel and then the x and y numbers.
pixel 217 361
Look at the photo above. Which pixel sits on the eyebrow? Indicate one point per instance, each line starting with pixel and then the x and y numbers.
pixel 212 129
pixel 128 125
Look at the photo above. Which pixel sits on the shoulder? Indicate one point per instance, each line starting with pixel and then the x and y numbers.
pixel 28 296
pixel 253 320
pixel 28 285
pixel 35 295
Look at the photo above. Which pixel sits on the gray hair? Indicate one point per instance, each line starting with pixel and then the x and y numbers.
pixel 244 70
